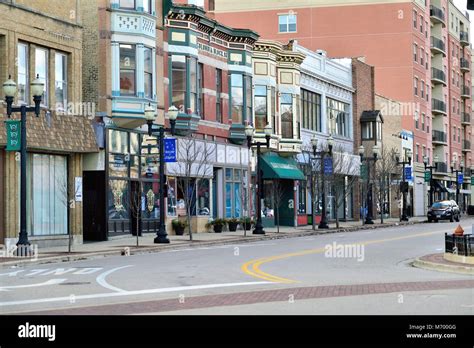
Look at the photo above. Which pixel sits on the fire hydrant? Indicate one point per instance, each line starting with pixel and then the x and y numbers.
pixel 458 231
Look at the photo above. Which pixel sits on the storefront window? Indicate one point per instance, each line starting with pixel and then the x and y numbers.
pixel 203 197
pixel 118 141
pixel 172 203
pixel 118 199
pixel 233 193
pixel 48 195
pixel 302 192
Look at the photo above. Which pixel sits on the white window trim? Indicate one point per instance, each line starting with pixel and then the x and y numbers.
pixel 288 14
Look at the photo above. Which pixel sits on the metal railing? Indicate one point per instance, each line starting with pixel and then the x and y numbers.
pixel 438 74
pixel 459 245
pixel 466 91
pixel 438 43
pixel 439 105
pixel 436 12
pixel 464 63
pixel 464 37
pixel 439 136
pixel 466 145
pixel 441 167
pixel 466 117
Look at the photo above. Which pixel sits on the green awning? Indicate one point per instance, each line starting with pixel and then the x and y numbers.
pixel 276 167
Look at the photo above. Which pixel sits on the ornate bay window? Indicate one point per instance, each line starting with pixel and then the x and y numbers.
pixel 261 108
pixel 128 69
pixel 184 82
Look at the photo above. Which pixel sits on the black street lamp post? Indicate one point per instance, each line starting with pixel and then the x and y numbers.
pixel 249 130
pixel 161 235
pixel 404 191
pixel 10 89
pixel 323 224
pixel 457 171
pixel 430 168
pixel 375 152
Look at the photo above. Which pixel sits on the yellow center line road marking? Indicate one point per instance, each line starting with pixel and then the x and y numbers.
pixel 252 267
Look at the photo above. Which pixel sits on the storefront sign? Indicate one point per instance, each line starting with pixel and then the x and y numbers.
pixel 170 150
pixel 427 176
pixel 408 173
pixel 13 135
pixel 328 165
pixel 363 171
pixel 212 50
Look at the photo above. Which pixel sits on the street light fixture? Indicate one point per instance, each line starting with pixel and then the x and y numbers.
pixel 249 131
pixel 404 186
pixel 150 115
pixel 10 89
pixel 323 224
pixel 375 153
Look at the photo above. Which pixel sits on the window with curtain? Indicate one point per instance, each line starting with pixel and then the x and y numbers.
pixel 260 102
pixel 128 69
pixel 286 111
pixel 148 72
pixel 237 91
pixel 60 82
pixel 47 195
pixel 23 75
pixel 41 69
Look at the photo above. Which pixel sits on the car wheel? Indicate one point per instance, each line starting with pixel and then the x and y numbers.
pixel 451 219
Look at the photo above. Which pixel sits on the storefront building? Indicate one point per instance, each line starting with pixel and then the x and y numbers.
pixel 59 138
pixel 326 110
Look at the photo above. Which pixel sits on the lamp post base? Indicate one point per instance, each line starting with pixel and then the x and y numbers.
pixel 258 229
pixel 323 225
pixel 369 221
pixel 161 237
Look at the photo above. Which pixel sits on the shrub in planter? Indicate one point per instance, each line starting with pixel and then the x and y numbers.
pixel 218 225
pixel 233 223
pixel 179 226
pixel 246 223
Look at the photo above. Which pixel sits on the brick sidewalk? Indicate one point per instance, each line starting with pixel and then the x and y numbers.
pixel 253 297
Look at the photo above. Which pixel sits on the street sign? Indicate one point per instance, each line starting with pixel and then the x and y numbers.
pixel 170 150
pixel 408 173
pixel 427 176
pixel 328 165
pixel 460 178
pixel 13 135
pixel 363 171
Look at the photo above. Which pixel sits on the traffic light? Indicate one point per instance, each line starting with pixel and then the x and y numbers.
pixel 470 4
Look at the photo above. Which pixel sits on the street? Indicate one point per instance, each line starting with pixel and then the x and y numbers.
pixel 363 272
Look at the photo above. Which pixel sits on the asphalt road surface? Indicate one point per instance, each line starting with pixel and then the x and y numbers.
pixel 364 272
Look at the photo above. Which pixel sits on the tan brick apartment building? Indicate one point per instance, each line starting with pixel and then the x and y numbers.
pixel 410 43
pixel 45 38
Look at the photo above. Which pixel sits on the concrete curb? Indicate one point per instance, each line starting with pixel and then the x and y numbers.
pixel 442 267
pixel 152 249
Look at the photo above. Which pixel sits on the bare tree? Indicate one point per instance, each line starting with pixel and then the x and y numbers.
pixel 310 169
pixel 344 178
pixel 67 196
pixel 386 167
pixel 278 193
pixel 136 208
pixel 193 166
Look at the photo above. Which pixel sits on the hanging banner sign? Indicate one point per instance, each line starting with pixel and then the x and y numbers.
pixel 13 135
